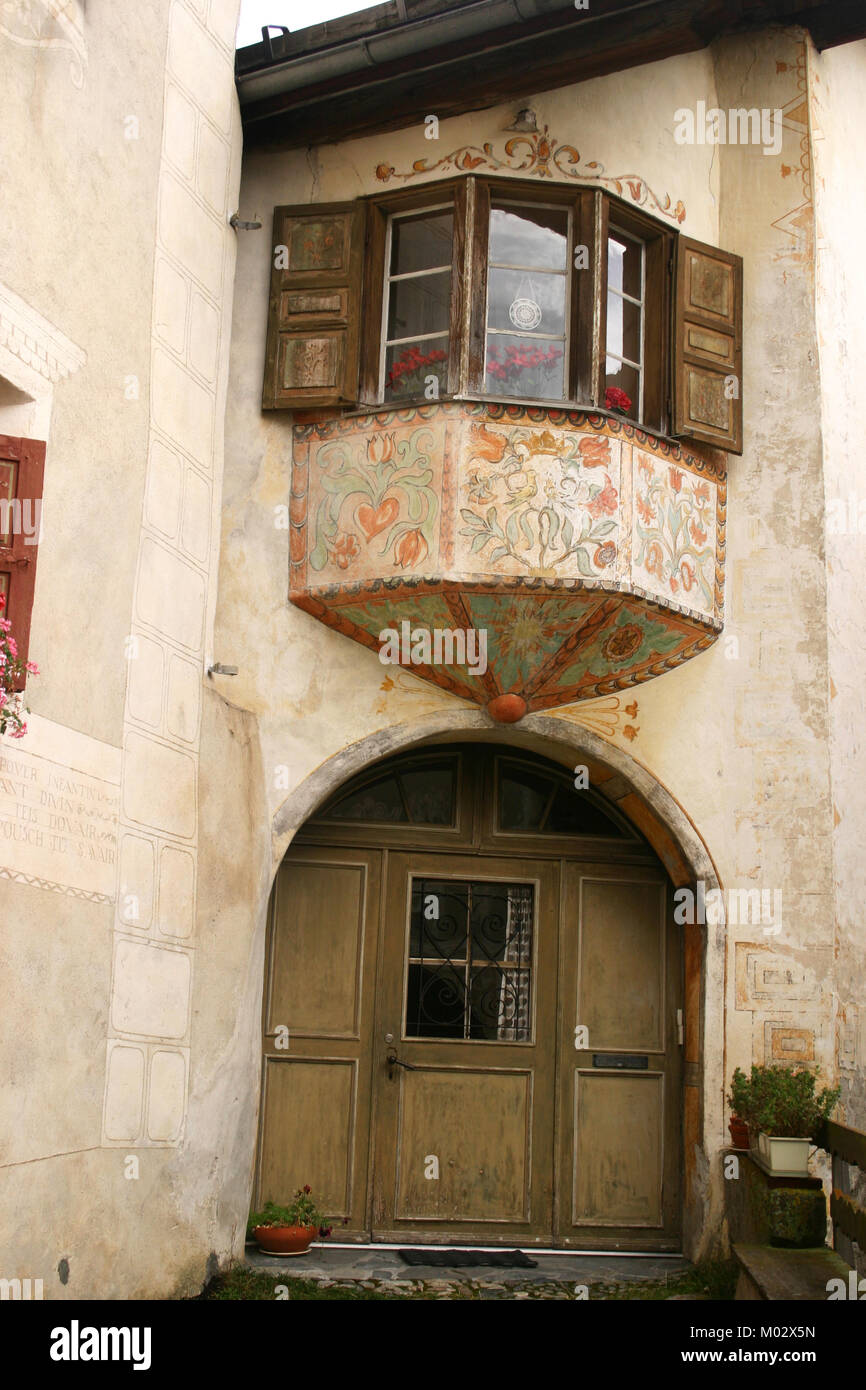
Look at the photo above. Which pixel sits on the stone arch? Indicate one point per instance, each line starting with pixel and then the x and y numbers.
pixel 655 812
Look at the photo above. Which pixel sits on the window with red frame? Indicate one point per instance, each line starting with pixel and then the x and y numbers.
pixel 22 464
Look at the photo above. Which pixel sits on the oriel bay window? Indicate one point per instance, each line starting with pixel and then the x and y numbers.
pixel 478 288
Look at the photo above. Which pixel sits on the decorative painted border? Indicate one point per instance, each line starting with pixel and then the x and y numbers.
pixel 15 876
pixel 613 426
pixel 541 155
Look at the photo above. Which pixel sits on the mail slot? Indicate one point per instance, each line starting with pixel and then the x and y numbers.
pixel 622 1061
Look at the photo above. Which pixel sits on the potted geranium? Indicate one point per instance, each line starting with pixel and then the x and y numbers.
pixel 739 1103
pixel 12 675
pixel 288 1230
pixel 617 400
pixel 784 1114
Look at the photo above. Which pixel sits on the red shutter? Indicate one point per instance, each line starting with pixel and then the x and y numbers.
pixel 22 465
pixel 708 355
pixel 311 356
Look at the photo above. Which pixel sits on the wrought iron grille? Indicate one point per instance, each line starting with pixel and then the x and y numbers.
pixel 470 960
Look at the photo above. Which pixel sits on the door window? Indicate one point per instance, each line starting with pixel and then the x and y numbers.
pixel 470 960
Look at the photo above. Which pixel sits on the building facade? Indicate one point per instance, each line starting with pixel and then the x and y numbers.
pixel 509 459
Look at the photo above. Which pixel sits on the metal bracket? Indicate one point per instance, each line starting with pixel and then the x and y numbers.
pixel 239 226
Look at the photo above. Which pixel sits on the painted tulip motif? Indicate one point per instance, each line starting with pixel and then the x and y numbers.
pixel 376 497
pixel 410 549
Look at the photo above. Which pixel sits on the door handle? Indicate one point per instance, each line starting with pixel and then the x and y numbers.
pixel 394 1061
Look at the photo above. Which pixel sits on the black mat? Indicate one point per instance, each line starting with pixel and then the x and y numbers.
pixel 468 1259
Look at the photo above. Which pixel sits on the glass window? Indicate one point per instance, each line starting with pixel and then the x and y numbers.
pixel 419 794
pixel 470 960
pixel 417 304
pixel 541 804
pixel 626 292
pixel 527 302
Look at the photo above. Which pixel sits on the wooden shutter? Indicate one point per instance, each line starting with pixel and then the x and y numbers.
pixel 22 464
pixel 707 335
pixel 311 356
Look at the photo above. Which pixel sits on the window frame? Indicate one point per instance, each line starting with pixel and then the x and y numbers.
pixel 592 210
pixel 18 560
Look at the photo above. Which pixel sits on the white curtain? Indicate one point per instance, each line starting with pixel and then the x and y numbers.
pixel 514 1024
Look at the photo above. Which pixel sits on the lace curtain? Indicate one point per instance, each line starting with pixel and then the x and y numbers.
pixel 513 1023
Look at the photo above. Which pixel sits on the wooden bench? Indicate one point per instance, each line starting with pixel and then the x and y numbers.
pixel 767 1272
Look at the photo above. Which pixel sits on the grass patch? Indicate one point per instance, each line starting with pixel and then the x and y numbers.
pixel 713 1279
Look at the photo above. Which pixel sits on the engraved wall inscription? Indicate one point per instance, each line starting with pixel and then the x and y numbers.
pixel 57 824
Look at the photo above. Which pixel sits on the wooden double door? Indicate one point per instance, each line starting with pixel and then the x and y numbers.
pixel 474 1047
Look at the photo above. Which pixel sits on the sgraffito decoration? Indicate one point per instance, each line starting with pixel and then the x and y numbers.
pixel 589 552
pixel 540 155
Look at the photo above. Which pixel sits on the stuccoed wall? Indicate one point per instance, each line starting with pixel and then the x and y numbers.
pixel 130 1007
pixel 838 113
pixel 738 736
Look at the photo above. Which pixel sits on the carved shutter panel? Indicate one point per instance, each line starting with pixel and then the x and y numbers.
pixel 22 465
pixel 311 356
pixel 708 357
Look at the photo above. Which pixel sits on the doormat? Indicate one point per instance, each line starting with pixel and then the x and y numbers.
pixel 469 1259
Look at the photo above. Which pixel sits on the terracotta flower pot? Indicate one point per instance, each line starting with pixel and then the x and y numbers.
pixel 284 1240
pixel 739 1132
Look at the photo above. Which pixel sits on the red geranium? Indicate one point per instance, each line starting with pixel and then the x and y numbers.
pixel 615 399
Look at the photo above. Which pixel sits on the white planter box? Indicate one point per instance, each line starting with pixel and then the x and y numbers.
pixel 784 1158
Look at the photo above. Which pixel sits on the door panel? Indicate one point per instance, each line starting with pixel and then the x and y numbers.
pixel 486 1173
pixel 310 1115
pixel 475 1103
pixel 318 1031
pixel 618 1149
pixel 620 1070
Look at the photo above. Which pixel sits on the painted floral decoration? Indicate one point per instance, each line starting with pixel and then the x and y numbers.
pixel 12 707
pixel 384 498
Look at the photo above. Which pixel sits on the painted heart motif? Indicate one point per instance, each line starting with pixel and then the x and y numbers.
pixel 372 521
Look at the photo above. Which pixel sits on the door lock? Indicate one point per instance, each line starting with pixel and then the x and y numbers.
pixel 394 1061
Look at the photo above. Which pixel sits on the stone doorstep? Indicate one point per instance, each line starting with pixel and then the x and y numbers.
pixel 384 1268
pixel 767 1272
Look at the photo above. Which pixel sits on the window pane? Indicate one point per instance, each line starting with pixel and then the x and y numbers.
pixel 435 1002
pixel 419 243
pixel 440 917
pixel 408 365
pixel 623 329
pixel 573 813
pixel 380 801
pixel 419 306
pixel 530 367
pixel 523 798
pixel 624 258
pixel 481 938
pixel 529 237
pixel 535 303
pixel 429 793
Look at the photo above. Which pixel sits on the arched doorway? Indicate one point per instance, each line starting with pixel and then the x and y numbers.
pixel 472 1020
